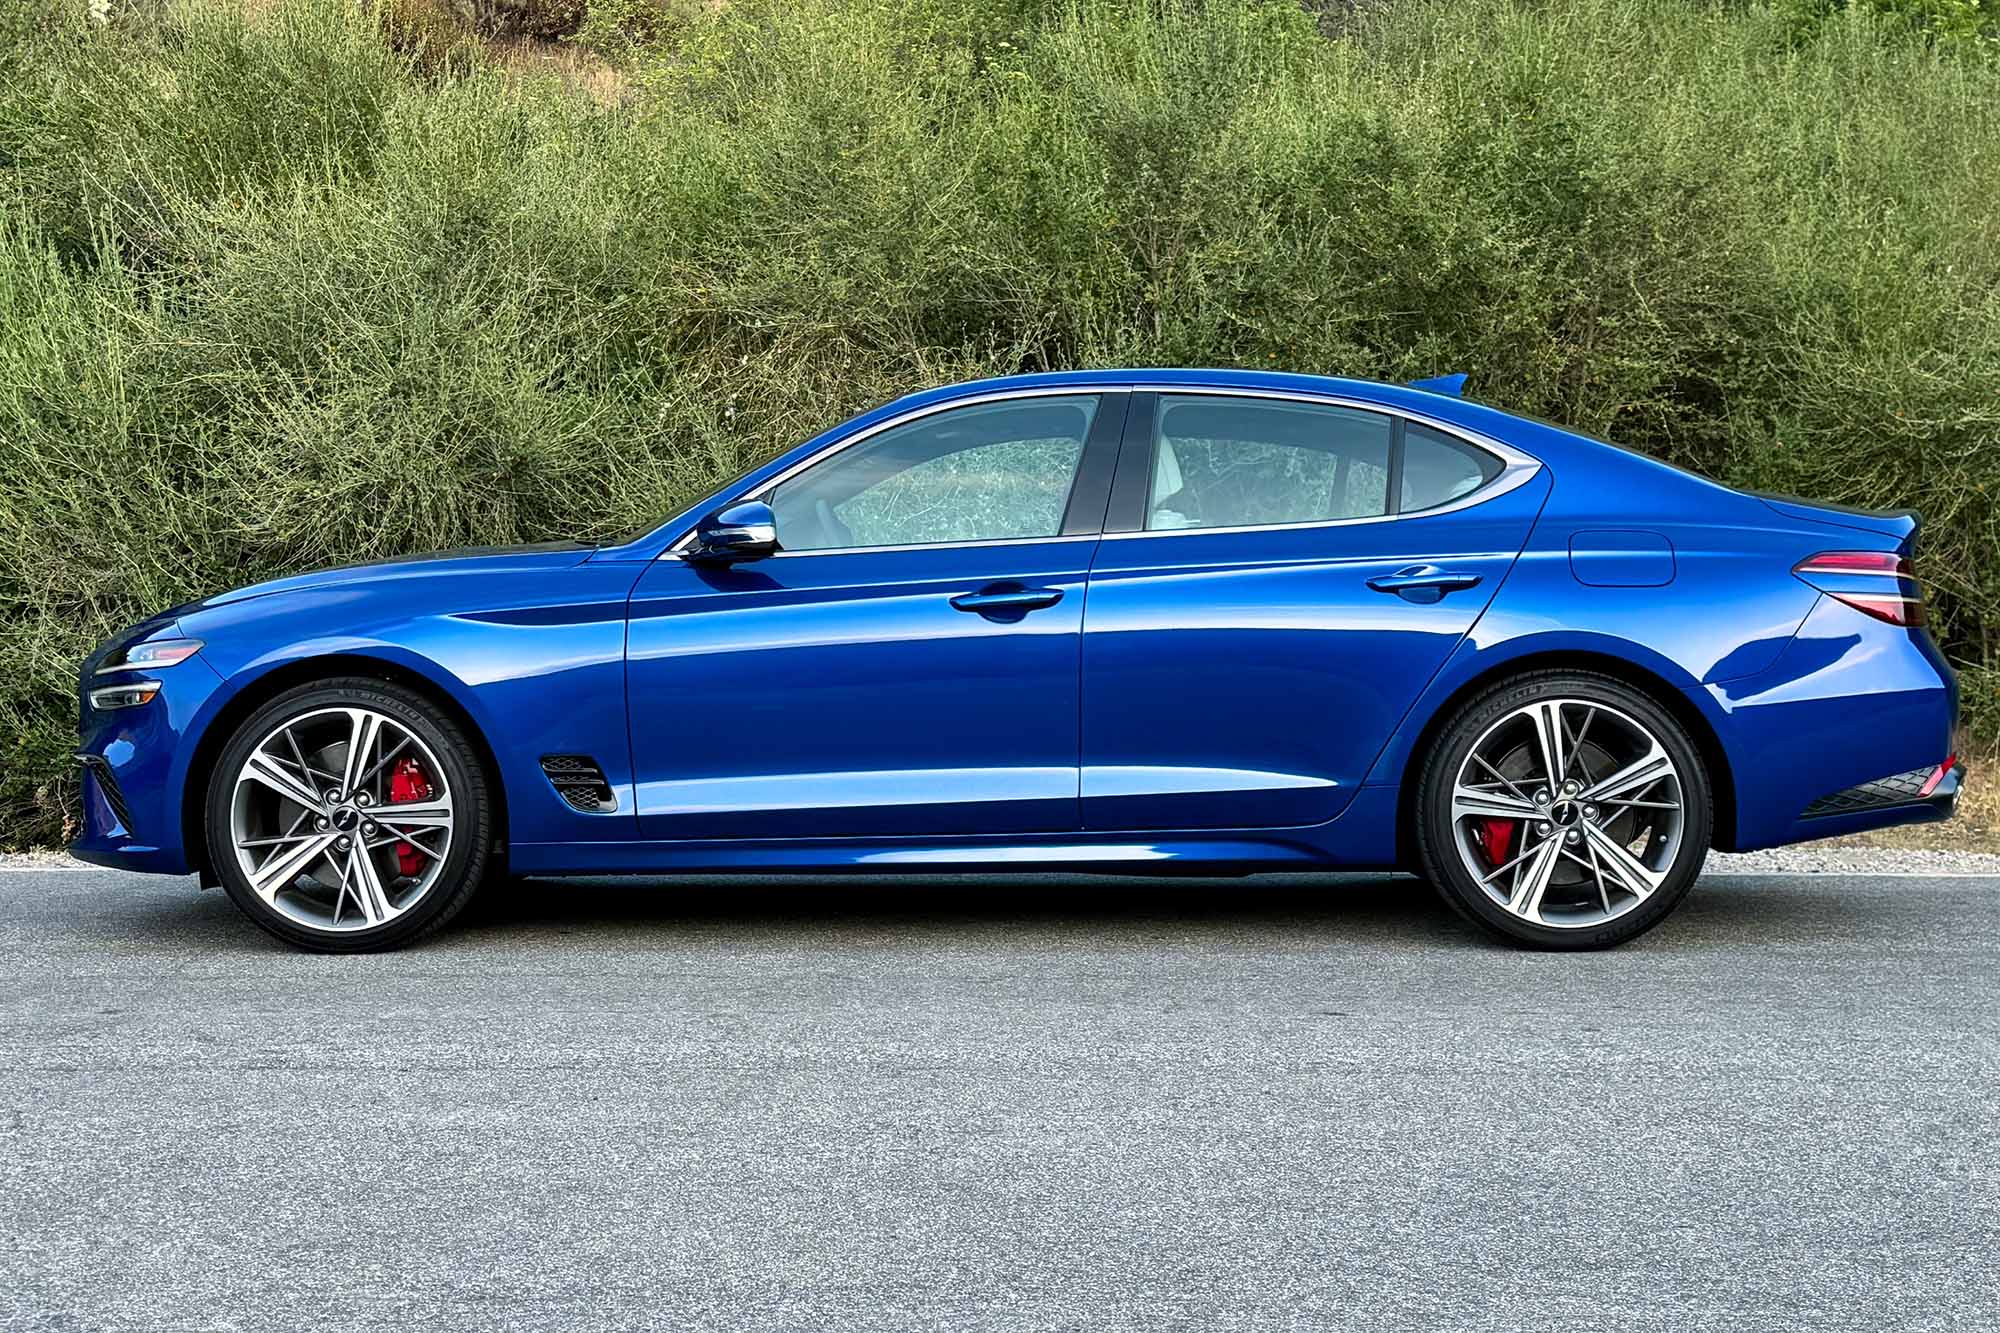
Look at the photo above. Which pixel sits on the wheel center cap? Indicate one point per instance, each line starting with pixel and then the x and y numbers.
pixel 1564 813
pixel 345 818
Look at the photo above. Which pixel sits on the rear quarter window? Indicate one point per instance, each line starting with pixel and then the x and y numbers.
pixel 1438 469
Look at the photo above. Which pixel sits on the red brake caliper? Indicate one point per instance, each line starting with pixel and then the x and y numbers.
pixel 1496 839
pixel 408 784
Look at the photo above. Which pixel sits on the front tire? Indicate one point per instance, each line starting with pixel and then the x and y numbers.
pixel 349 815
pixel 1563 810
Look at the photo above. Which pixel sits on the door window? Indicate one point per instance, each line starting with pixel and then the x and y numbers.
pixel 985 473
pixel 1228 463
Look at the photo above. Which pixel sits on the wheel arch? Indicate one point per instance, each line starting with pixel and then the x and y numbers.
pixel 303 671
pixel 1708 743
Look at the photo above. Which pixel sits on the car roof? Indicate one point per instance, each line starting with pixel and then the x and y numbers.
pixel 1542 440
pixel 1184 377
pixel 1396 397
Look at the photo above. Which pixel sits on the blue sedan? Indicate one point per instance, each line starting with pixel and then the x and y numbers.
pixel 1195 621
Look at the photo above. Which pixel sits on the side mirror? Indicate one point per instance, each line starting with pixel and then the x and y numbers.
pixel 747 531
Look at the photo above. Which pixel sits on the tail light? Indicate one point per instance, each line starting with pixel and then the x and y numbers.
pixel 1881 584
pixel 1938 774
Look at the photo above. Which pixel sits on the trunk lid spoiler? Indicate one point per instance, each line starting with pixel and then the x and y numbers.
pixel 1899 525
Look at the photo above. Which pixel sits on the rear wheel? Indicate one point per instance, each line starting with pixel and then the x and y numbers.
pixel 349 815
pixel 1563 810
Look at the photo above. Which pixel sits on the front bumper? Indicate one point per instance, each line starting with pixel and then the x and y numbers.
pixel 134 763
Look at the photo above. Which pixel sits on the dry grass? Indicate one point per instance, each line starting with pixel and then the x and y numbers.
pixel 576 67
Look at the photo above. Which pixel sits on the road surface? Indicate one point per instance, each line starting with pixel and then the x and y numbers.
pixel 1276 1103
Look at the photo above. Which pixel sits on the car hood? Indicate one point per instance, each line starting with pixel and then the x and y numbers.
pixel 467 559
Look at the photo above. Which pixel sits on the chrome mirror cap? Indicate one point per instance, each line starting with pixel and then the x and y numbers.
pixel 746 531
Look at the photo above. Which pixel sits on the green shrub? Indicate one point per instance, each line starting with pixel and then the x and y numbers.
pixel 1972 25
pixel 294 290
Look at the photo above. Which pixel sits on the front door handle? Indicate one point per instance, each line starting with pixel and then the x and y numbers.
pixel 1009 600
pixel 1423 583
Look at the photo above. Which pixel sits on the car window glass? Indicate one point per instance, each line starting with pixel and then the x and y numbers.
pixel 1438 469
pixel 1228 462
pixel 983 473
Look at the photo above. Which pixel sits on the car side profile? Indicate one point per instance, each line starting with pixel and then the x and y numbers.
pixel 1203 621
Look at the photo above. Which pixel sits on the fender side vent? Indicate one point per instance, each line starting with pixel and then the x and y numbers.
pixel 579 781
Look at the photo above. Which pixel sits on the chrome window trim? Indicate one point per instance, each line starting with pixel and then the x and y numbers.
pixel 1516 467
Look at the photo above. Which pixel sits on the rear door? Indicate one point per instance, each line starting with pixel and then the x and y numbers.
pixel 1278 581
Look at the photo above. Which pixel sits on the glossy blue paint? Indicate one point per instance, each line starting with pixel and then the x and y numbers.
pixel 1245 679
pixel 842 694
pixel 1179 699
pixel 1451 385
pixel 1621 558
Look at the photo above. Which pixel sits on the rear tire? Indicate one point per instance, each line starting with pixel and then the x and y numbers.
pixel 1563 810
pixel 349 871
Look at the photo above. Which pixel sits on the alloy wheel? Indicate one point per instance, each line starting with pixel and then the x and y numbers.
pixel 1568 813
pixel 341 819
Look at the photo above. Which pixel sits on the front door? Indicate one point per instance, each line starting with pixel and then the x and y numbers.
pixel 907 664
pixel 1289 577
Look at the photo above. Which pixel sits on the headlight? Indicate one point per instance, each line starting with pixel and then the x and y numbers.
pixel 151 655
pixel 129 695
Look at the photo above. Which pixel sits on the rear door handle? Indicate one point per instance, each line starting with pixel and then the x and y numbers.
pixel 1423 583
pixel 1006 600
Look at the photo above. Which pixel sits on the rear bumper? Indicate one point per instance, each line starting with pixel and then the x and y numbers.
pixel 1932 804
pixel 1840 734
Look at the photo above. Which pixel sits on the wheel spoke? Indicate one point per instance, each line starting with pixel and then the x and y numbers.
pixel 1504 780
pixel 273 842
pixel 363 728
pixel 1576 743
pixel 1470 802
pixel 1547 719
pixel 281 868
pixel 1504 867
pixel 1531 882
pixel 311 774
pixel 1641 772
pixel 428 815
pixel 1596 873
pixel 383 762
pixel 408 840
pixel 1632 874
pixel 260 767
pixel 365 886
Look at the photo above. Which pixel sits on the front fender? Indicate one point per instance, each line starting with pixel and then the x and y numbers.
pixel 536 665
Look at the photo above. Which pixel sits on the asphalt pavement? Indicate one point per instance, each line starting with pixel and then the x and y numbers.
pixel 1030 1103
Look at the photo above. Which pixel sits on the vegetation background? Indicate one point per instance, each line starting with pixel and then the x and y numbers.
pixel 311 281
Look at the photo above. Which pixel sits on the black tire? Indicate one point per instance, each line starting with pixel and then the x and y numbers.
pixel 465 862
pixel 1436 840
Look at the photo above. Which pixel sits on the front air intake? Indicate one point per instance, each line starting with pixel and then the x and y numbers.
pixel 107 786
pixel 579 781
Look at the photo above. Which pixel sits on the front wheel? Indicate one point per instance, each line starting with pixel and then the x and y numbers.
pixel 1563 810
pixel 349 815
